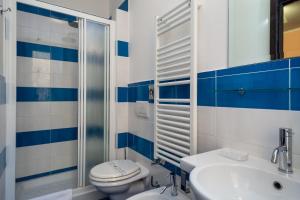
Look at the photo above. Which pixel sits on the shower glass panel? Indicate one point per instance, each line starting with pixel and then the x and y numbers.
pixel 47 101
pixel 95 95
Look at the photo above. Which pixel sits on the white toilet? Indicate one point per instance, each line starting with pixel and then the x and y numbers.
pixel 120 179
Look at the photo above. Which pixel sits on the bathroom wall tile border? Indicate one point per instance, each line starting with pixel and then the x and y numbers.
pixel 124 6
pixel 32 138
pixel 142 146
pixel 122 48
pixel 44 174
pixel 38 94
pixel 2 161
pixel 269 85
pixel 42 51
pixel 44 12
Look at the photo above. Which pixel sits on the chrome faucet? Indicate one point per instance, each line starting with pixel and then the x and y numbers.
pixel 173 185
pixel 283 154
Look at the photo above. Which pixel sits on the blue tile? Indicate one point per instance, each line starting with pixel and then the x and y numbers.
pixel 32 94
pixel 40 175
pixel 266 66
pixel 266 90
pixel 44 12
pixel 64 94
pixel 295 77
pixel 124 6
pixel 295 62
pixel 295 85
pixel 210 74
pixel 206 92
pixel 295 100
pixel 63 134
pixel 146 148
pixel 254 99
pixel 132 94
pixel 122 94
pixel 142 93
pixel 32 138
pixel 122 140
pixel 2 161
pixel 123 48
pixel 31 50
pixel 264 80
pixel 180 92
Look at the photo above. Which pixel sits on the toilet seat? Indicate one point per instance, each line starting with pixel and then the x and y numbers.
pixel 113 171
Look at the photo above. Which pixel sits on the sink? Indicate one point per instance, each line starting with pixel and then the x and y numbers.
pixel 155 195
pixel 239 182
pixel 215 177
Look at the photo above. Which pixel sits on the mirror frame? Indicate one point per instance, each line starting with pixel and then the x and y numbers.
pixel 276 28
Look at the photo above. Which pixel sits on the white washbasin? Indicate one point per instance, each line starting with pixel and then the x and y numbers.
pixel 239 182
pixel 216 177
pixel 155 195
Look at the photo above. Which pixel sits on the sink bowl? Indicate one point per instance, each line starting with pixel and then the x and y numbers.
pixel 225 181
pixel 226 174
pixel 155 195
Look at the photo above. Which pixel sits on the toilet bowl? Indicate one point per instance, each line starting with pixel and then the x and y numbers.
pixel 119 179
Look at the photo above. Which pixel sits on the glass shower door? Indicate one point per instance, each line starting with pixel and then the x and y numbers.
pixel 96 62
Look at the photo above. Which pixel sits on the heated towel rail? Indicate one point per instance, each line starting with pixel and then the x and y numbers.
pixel 176 66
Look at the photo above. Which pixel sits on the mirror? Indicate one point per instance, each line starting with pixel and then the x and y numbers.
pixel 263 30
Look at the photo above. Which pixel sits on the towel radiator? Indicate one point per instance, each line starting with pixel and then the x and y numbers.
pixel 176 66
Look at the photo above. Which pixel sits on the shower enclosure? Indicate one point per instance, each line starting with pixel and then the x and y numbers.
pixel 63 97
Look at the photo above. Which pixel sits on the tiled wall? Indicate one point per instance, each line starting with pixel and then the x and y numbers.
pixel 2 135
pixel 47 87
pixel 241 107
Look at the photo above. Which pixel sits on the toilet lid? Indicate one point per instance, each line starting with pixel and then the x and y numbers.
pixel 114 171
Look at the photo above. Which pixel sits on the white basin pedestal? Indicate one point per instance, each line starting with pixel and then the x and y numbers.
pixel 215 177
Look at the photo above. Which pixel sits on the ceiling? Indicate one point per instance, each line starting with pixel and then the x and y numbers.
pixel 292 16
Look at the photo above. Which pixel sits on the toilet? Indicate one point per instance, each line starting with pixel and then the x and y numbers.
pixel 119 179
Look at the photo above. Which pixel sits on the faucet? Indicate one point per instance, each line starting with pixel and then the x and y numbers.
pixel 172 184
pixel 283 153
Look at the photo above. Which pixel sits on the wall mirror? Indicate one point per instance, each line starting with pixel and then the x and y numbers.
pixel 263 30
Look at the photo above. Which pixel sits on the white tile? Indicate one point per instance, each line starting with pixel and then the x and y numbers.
pixel 44 30
pixel 33 160
pixel 63 155
pixel 206 120
pixel 31 109
pixel 122 71
pixel 141 126
pixel 122 117
pixel 33 123
pixel 32 72
pixel 122 23
pixel 33 116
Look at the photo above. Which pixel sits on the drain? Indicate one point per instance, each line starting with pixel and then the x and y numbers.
pixel 277 185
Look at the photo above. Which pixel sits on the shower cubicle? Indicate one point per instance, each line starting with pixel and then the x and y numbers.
pixel 63 97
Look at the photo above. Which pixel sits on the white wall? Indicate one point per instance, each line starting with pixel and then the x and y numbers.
pixel 212 35
pixel 100 8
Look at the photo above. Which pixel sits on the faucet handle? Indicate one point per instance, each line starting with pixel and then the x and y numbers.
pixel 274 158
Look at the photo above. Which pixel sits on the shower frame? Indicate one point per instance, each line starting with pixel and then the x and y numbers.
pixel 110 78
